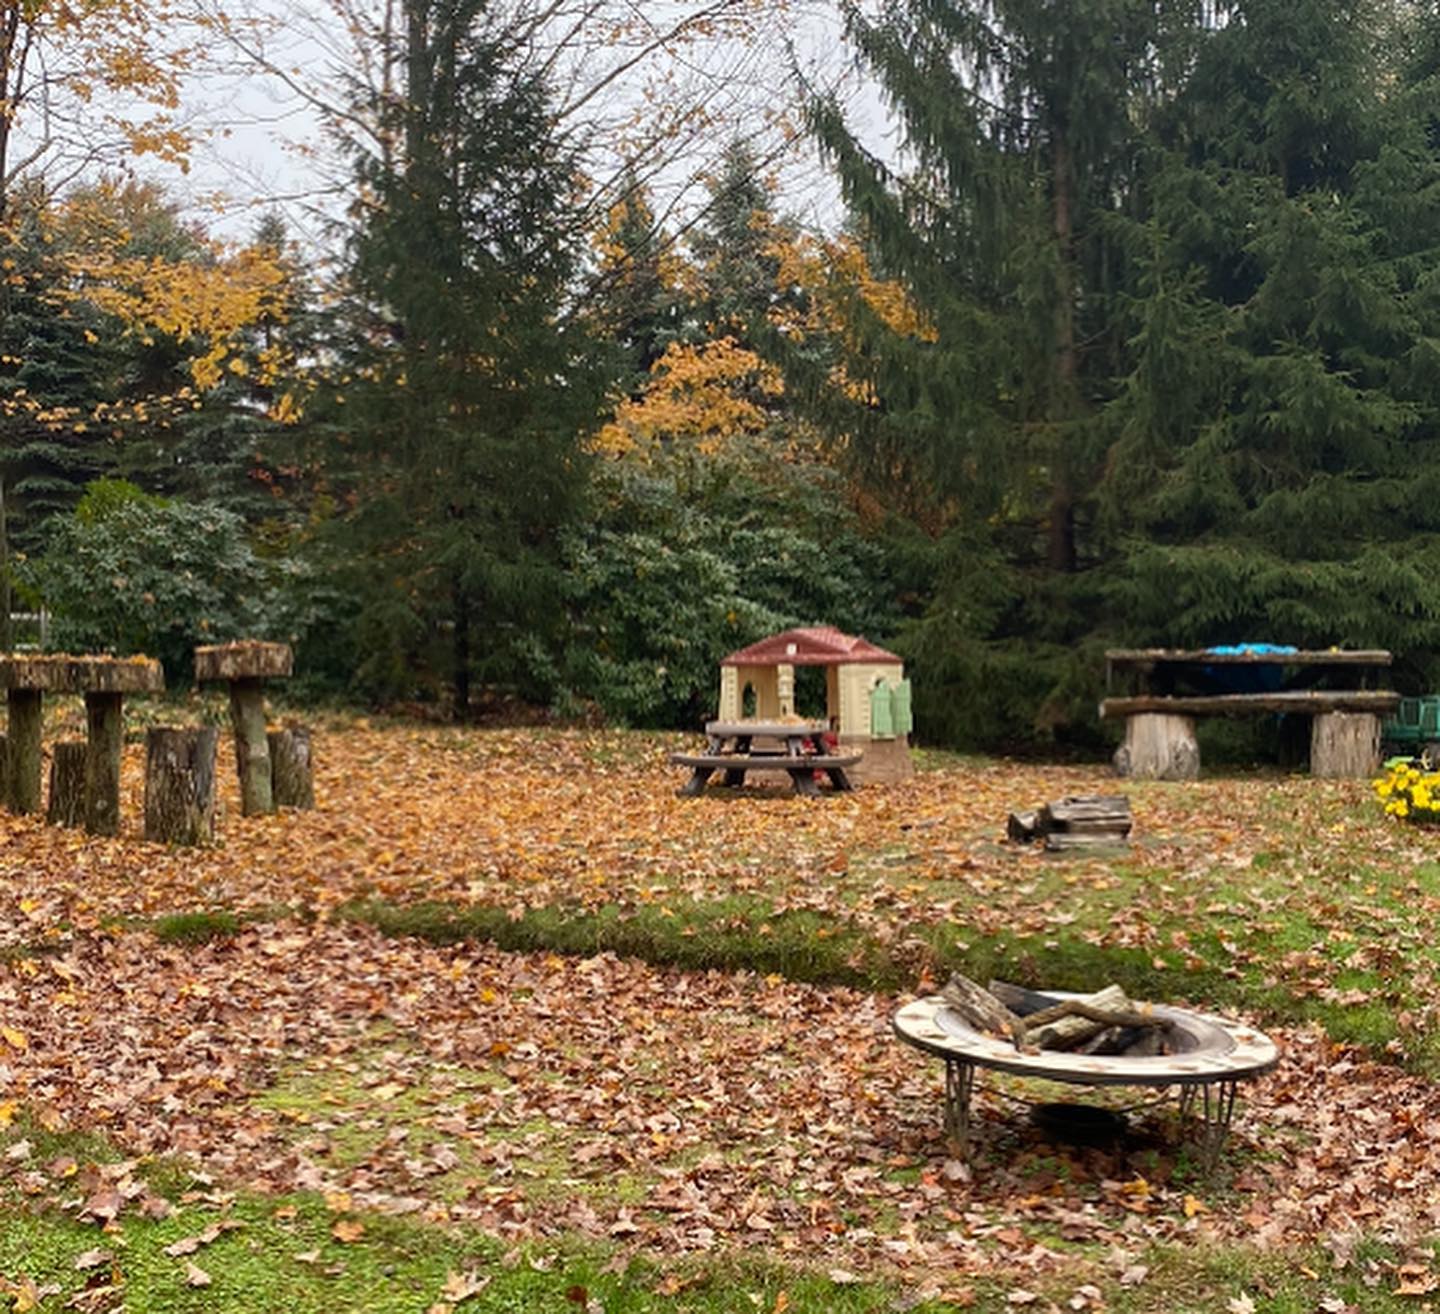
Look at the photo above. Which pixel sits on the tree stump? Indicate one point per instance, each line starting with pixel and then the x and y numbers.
pixel 180 784
pixel 1158 746
pixel 291 770
pixel 1344 745
pixel 22 767
pixel 67 784
pixel 105 738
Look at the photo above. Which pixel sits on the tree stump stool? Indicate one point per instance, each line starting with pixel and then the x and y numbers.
pixel 67 784
pixel 103 682
pixel 180 784
pixel 291 776
pixel 245 666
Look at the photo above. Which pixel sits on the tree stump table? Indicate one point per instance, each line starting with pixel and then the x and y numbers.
pixel 245 666
pixel 103 682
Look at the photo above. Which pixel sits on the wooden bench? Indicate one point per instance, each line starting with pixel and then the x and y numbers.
pixel 1160 730
pixel 801 770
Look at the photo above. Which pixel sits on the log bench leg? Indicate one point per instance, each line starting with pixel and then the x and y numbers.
pixel 1344 745
pixel 252 747
pixel 104 739
pixel 695 786
pixel 840 780
pixel 735 777
pixel 1158 746
pixel 22 774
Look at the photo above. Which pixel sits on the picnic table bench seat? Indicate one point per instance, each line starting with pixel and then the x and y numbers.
pixel 800 769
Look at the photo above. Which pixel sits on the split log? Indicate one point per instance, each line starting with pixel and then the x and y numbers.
pixel 67 783
pixel 252 748
pixel 1073 1022
pixel 1104 813
pixel 1060 840
pixel 291 772
pixel 1019 1000
pixel 22 765
pixel 1022 827
pixel 978 1007
pixel 180 784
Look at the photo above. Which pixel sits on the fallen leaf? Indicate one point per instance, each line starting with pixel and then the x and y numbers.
pixel 195 1276
pixel 348 1230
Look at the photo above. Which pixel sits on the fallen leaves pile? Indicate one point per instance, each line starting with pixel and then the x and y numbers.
pixel 533 1096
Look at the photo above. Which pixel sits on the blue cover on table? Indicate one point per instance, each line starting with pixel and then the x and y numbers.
pixel 1248 679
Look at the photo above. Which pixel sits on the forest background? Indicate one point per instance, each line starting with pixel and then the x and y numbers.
pixel 1129 335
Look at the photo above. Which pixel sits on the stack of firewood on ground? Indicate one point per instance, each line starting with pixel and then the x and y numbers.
pixel 1106 1022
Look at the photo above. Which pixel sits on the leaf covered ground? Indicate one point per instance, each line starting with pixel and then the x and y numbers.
pixel 543 1099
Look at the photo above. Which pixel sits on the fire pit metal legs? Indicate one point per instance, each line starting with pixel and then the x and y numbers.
pixel 959 1084
pixel 1213 1103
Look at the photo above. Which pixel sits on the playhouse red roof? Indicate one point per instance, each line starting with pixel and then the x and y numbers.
pixel 819 645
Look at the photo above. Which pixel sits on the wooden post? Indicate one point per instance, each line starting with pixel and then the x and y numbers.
pixel 252 749
pixel 291 769
pixel 67 784
pixel 1158 746
pixel 105 737
pixel 22 770
pixel 1344 745
pixel 180 784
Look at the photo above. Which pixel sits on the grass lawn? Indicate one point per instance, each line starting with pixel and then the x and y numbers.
pixel 505 1024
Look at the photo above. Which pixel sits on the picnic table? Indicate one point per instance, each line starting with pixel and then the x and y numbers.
pixel 794 747
pixel 1338 689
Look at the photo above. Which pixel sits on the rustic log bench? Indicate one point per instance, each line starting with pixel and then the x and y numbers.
pixel 103 682
pixel 1160 719
pixel 800 769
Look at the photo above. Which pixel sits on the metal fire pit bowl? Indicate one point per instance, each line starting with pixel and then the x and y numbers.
pixel 1212 1056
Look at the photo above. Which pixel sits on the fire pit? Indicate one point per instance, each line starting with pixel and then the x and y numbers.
pixel 1209 1057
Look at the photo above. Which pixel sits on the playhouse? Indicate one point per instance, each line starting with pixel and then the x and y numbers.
pixel 867 697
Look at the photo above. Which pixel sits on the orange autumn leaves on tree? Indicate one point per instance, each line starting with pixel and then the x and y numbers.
pixel 95 81
pixel 711 391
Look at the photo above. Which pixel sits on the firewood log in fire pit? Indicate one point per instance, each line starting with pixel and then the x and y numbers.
pixel 1105 1022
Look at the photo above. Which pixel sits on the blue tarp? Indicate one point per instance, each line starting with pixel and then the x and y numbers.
pixel 1248 679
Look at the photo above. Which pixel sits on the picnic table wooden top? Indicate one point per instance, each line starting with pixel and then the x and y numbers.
pixel 1207 657
pixel 61 672
pixel 765 729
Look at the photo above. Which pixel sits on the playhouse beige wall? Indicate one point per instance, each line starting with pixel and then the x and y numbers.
pixel 855 683
pixel 767 683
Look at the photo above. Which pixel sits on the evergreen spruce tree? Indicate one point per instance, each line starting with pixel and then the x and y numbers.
pixel 462 420
pixel 1180 266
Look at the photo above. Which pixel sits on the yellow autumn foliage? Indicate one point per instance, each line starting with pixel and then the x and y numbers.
pixel 705 392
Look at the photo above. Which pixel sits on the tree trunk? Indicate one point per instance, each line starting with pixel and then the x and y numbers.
pixel 1158 746
pixel 461 615
pixel 291 769
pixel 1344 745
pixel 1064 404
pixel 105 738
pixel 7 637
pixel 22 769
pixel 180 784
pixel 252 749
pixel 67 784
